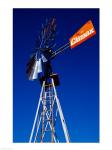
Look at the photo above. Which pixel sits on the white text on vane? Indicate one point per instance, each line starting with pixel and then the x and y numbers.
pixel 81 37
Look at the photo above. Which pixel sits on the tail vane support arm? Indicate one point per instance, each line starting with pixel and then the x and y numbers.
pixel 60 50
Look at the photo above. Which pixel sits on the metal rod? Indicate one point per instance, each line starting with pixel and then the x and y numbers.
pixel 62 47
pixel 43 115
pixel 38 124
pixel 60 50
pixel 61 116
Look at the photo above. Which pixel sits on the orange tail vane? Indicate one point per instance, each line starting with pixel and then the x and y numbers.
pixel 83 34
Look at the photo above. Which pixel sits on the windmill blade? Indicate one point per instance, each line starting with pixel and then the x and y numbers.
pixel 84 33
pixel 30 64
pixel 34 67
pixel 47 35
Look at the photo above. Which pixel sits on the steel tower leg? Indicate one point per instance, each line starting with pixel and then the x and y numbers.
pixel 61 115
pixel 40 99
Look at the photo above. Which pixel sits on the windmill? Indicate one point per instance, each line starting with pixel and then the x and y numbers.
pixel 40 67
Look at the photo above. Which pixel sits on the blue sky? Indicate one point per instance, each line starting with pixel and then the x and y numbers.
pixel 78 71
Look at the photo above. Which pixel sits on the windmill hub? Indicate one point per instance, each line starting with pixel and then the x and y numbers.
pixel 55 77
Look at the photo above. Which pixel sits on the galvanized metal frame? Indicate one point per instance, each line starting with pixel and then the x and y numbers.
pixel 48 98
